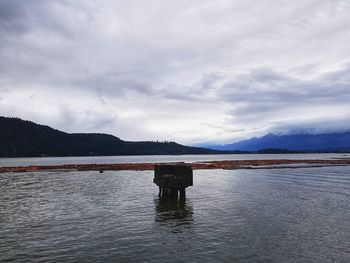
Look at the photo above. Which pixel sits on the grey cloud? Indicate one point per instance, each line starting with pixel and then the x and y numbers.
pixel 204 90
pixel 227 66
pixel 313 126
pixel 278 88
pixel 60 49
pixel 21 16
pixel 12 17
pixel 90 120
pixel 271 97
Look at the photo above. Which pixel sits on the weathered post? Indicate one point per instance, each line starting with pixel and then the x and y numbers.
pixel 173 179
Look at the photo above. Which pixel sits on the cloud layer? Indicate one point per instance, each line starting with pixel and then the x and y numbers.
pixel 198 71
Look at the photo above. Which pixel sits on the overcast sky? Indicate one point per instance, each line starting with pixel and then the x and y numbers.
pixel 189 71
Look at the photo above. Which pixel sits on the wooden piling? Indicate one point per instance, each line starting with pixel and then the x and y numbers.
pixel 173 179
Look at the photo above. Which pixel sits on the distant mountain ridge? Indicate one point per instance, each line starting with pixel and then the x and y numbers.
pixel 292 142
pixel 19 138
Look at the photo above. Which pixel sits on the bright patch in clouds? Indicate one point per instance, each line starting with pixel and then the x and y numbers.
pixel 189 71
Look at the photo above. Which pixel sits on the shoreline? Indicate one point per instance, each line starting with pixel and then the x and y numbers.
pixel 228 164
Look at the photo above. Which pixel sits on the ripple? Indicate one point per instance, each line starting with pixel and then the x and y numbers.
pixel 282 215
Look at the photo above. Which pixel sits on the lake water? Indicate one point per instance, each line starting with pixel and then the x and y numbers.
pixel 161 158
pixel 278 215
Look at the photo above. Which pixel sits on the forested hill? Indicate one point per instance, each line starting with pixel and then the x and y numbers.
pixel 19 138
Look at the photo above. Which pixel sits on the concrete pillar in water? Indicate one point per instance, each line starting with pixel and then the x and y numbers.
pixel 173 179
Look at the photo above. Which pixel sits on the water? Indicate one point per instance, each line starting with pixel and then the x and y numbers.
pixel 161 158
pixel 279 215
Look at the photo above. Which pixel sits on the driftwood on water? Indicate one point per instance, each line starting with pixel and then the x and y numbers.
pixel 231 164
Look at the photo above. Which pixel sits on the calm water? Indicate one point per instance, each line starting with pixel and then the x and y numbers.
pixel 161 158
pixel 280 215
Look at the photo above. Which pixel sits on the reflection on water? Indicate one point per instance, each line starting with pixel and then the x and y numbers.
pixel 174 212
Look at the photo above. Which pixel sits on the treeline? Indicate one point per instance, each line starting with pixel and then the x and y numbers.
pixel 19 138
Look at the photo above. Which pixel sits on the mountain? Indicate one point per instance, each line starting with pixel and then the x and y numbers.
pixel 326 142
pixel 19 138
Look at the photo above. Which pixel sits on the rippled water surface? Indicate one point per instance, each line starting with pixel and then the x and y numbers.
pixel 162 158
pixel 279 215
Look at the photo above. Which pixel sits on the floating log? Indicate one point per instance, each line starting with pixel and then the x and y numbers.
pixel 228 164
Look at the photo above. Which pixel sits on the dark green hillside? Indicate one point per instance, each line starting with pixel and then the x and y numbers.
pixel 19 138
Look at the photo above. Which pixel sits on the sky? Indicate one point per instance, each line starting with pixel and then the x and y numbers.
pixel 194 72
